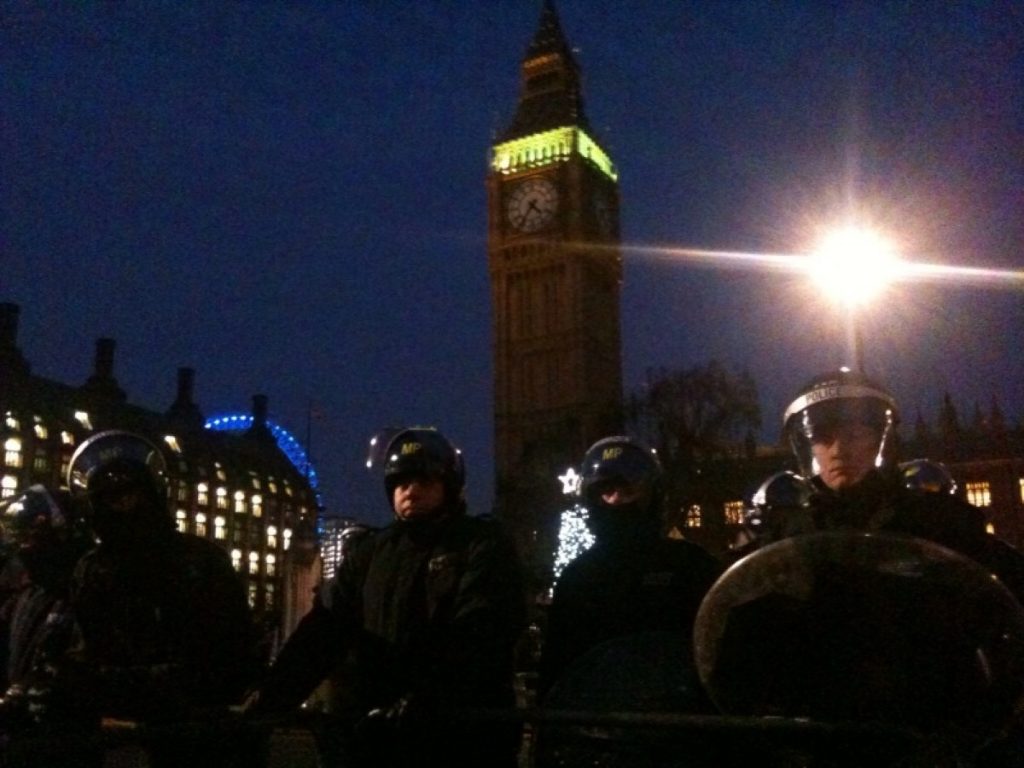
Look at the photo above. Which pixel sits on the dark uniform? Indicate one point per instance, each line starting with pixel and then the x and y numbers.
pixel 165 630
pixel 166 633
pixel 45 533
pixel 849 611
pixel 618 636
pixel 632 581
pixel 612 592
pixel 431 609
pixel 888 498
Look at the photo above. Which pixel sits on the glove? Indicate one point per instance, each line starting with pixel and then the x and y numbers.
pixel 14 708
pixel 405 714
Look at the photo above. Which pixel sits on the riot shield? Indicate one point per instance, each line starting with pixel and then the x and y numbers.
pixel 864 628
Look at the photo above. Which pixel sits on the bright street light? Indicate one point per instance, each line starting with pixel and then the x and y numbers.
pixel 853 266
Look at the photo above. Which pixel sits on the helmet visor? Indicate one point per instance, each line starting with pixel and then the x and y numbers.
pixel 821 422
pixel 25 516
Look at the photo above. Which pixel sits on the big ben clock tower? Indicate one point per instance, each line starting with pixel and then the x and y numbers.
pixel 556 271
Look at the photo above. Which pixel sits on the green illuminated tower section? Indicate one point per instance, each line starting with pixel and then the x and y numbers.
pixel 556 271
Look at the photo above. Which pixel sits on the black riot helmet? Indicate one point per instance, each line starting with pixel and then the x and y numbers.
pixel 833 400
pixel 351 537
pixel 123 477
pixel 25 516
pixel 782 493
pixel 927 476
pixel 41 528
pixel 620 460
pixel 424 452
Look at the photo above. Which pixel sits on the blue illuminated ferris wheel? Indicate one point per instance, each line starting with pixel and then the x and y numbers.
pixel 239 422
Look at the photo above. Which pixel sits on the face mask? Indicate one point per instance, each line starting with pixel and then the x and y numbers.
pixel 622 525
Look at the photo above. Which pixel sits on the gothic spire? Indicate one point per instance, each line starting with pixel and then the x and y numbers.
pixel 550 95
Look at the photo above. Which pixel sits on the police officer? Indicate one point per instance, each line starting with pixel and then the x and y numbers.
pixel 632 580
pixel 841 426
pixel 927 476
pixel 432 606
pixel 45 534
pixel 165 627
pixel 47 540
pixel 782 500
pixel 829 623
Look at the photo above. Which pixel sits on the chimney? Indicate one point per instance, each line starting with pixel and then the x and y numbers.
pixel 259 428
pixel 9 325
pixel 104 366
pixel 102 381
pixel 184 410
pixel 259 411
pixel 12 362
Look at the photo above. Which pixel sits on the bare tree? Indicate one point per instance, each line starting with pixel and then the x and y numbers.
pixel 700 420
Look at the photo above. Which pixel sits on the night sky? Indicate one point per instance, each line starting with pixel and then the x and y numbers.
pixel 289 197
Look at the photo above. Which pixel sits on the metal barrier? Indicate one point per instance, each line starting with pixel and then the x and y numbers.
pixel 291 743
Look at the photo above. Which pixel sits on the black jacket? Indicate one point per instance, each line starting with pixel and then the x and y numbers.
pixel 652 585
pixel 881 503
pixel 164 632
pixel 431 612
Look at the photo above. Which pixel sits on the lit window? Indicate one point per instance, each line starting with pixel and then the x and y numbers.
pixel 66 438
pixel 219 529
pixel 693 516
pixel 11 422
pixel 240 501
pixel 287 537
pixel 268 596
pixel 220 471
pixel 979 494
pixel 236 559
pixel 253 592
pixel 989 528
pixel 41 431
pixel 272 485
pixel 200 524
pixel 202 494
pixel 172 443
pixel 182 492
pixel 8 485
pixel 255 482
pixel 1021 482
pixel 287 489
pixel 82 417
pixel 40 463
pixel 181 521
pixel 272 537
pixel 257 505
pixel 222 497
pixel 12 452
pixel 254 562
pixel 734 513
pixel 271 565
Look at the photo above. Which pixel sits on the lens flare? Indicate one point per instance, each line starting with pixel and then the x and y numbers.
pixel 905 271
pixel 854 265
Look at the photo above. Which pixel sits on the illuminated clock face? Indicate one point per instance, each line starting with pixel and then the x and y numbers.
pixel 532 204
